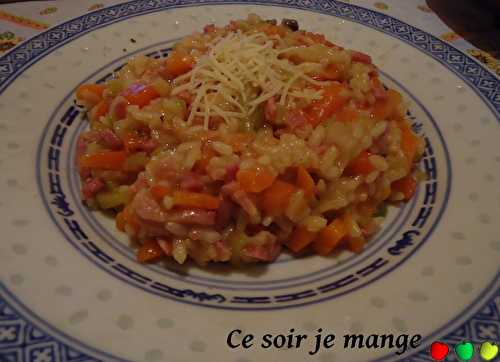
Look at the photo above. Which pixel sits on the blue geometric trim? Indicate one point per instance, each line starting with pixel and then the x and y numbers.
pixel 22 341
pixel 484 82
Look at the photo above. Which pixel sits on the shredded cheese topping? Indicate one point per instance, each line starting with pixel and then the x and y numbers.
pixel 238 74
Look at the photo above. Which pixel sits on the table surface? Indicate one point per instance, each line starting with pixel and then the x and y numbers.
pixel 21 20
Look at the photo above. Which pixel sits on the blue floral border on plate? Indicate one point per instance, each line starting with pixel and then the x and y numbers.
pixel 22 340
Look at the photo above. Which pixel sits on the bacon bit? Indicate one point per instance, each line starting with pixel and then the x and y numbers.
pixel 110 139
pixel 223 252
pixel 166 246
pixel 231 172
pixel 296 119
pixel 224 213
pixel 210 28
pixel 148 146
pixel 233 26
pixel 139 184
pixel 120 109
pixel 193 216
pixel 265 248
pixel 361 57
pixel 91 187
pixel 270 110
pixel 147 208
pixel 186 96
pixel 191 182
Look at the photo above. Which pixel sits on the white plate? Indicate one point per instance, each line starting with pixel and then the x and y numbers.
pixel 71 289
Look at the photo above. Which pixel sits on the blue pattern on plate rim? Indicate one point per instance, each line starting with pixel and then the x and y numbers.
pixel 24 340
pixel 481 327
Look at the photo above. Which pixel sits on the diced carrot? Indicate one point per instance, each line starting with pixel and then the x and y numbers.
pixel 207 154
pixel 408 142
pixel 361 165
pixel 255 180
pixel 301 238
pixel 239 141
pixel 120 110
pixel 330 237
pixel 305 181
pixel 177 63
pixel 140 95
pixel 159 191
pixel 387 108
pixel 274 30
pixel 91 93
pixel 120 221
pixel 334 98
pixel 347 114
pixel 130 219
pixel 356 245
pixel 275 199
pixel 331 72
pixel 196 200
pixel 100 109
pixel 105 160
pixel 407 185
pixel 131 142
pixel 149 251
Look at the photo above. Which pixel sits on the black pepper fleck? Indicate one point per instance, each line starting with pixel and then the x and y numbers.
pixel 132 40
pixel 124 50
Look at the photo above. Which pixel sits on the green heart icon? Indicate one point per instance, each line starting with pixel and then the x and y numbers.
pixel 464 351
pixel 488 351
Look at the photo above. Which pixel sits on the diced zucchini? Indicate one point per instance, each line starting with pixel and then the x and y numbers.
pixel 114 86
pixel 174 107
pixel 162 87
pixel 136 162
pixel 382 210
pixel 94 147
pixel 111 199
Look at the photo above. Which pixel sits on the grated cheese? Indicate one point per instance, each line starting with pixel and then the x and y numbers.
pixel 242 71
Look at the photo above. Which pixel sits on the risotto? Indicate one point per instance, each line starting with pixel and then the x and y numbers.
pixel 245 140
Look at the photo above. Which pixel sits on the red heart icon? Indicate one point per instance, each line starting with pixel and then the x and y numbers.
pixel 439 351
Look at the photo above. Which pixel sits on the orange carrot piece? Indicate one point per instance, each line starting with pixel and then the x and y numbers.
pixel 255 180
pixel 149 251
pixel 105 160
pixel 361 165
pixel 159 191
pixel 120 221
pixel 331 72
pixel 356 245
pixel 239 141
pixel 347 114
pixel 275 199
pixel 274 30
pixel 90 92
pixel 140 95
pixel 330 237
pixel 196 200
pixel 305 181
pixel 407 185
pixel 100 109
pixel 334 98
pixel 177 63
pixel 387 108
pixel 301 238
pixel 408 142
pixel 130 219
